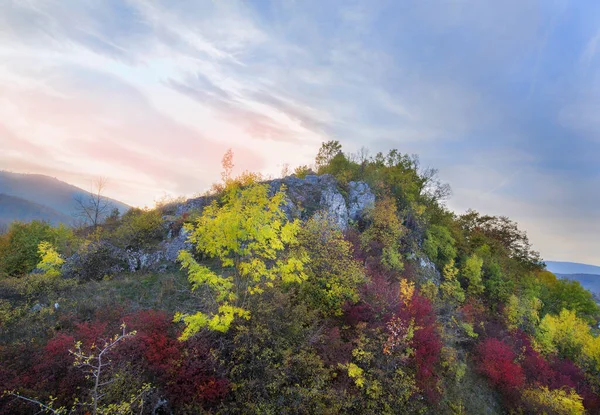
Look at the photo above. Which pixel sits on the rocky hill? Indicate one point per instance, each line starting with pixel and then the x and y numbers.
pixel 354 290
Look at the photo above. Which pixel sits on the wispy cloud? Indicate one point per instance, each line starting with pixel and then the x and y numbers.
pixel 153 92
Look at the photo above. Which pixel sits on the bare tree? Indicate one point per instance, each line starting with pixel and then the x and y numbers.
pixel 93 207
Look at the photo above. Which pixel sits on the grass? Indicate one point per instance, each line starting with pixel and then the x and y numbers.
pixel 169 291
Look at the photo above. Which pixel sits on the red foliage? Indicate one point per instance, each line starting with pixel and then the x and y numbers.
pixel 334 349
pixel 193 379
pixel 155 341
pixel 356 313
pixel 473 312
pixel 426 343
pixel 185 371
pixel 496 360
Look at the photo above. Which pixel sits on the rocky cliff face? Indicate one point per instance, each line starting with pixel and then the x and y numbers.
pixel 305 197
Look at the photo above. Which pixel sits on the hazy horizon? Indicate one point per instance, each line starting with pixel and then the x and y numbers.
pixel 500 97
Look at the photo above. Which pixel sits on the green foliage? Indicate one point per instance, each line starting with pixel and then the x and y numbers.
pixel 498 287
pixel 328 151
pixel 558 294
pixel 333 276
pixel 430 291
pixel 248 235
pixel 19 252
pixel 523 313
pixel 450 287
pixel 439 245
pixel 138 229
pixel 302 171
pixel 502 236
pixel 471 271
pixel 382 236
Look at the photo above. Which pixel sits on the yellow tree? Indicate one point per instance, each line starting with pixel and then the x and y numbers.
pixel 248 236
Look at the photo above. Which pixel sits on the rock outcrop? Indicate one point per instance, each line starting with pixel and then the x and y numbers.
pixel 304 198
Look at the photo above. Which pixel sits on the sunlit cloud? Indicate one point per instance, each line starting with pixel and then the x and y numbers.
pixel 152 93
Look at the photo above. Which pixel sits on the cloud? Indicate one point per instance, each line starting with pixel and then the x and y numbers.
pixel 154 92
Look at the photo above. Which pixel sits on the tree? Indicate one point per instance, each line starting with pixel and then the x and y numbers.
pixel 502 236
pixel 333 276
pixel 450 287
pixel 472 273
pixel 51 260
pixel 327 152
pixel 383 235
pixel 248 236
pixel 93 206
pixel 19 248
pixel 439 245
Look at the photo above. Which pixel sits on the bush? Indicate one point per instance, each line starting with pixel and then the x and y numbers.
pixel 139 229
pixel 19 253
pixel 496 360
pixel 94 261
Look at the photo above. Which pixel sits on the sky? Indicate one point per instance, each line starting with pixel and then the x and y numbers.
pixel 502 97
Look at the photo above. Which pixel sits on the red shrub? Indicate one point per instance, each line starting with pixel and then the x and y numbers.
pixel 356 313
pixel 496 360
pixel 426 343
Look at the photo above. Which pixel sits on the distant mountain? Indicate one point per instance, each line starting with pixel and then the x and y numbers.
pixel 37 196
pixel 590 282
pixel 14 208
pixel 587 275
pixel 557 267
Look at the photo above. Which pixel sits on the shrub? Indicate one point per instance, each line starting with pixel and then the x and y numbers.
pixel 94 261
pixel 496 360
pixel 139 229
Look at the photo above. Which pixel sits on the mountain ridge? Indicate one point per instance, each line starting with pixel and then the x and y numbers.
pixel 49 198
pixel 566 267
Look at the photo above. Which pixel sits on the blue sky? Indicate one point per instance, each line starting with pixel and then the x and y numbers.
pixel 501 97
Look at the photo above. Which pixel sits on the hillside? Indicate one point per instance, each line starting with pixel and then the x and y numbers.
pixel 351 289
pixel 51 196
pixel 14 208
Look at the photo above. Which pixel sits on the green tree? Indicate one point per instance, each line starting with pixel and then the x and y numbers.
pixel 248 236
pixel 558 294
pixel 472 273
pixel 333 274
pixel 383 235
pixel 326 154
pixel 439 245
pixel 450 287
pixel 19 252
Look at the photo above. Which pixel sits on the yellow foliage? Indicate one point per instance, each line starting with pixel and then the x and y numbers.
pixel 570 336
pixel 451 289
pixel 51 261
pixel 553 402
pixel 522 313
pixel 248 235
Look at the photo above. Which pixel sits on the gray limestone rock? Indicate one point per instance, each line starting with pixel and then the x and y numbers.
pixel 360 199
